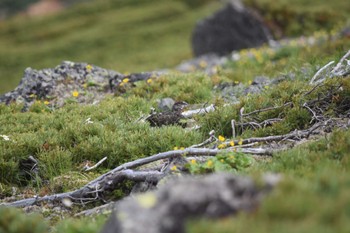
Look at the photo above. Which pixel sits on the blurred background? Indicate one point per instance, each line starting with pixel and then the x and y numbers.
pixel 132 35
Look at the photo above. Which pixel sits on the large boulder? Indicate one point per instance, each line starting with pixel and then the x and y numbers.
pixel 173 204
pixel 232 28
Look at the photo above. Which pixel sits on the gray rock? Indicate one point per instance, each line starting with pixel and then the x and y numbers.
pixel 56 85
pixel 230 92
pixel 207 63
pixel 166 104
pixel 168 209
pixel 258 84
pixel 231 28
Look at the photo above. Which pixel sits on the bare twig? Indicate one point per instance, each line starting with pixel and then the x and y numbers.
pixel 265 109
pixel 335 70
pixel 88 168
pixel 261 124
pixel 190 113
pixel 206 142
pixel 233 128
pixel 313 89
pixel 297 134
pixel 318 74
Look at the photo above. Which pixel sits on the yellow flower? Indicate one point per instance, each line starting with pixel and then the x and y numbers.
pixel 250 82
pixel 173 168
pixel 88 68
pixel 232 143
pixel 46 102
pixel 221 146
pixel 193 161
pixel 221 160
pixel 240 142
pixel 210 163
pixel 236 82
pixel 125 80
pixel 149 81
pixel 182 148
pixel 75 93
pixel 221 138
pixel 176 148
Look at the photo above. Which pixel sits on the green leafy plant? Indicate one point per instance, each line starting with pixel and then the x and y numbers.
pixel 223 162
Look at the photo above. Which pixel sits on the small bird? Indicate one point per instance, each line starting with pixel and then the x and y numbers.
pixel 172 117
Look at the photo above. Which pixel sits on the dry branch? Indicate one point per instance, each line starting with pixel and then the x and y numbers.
pixel 109 180
pixel 190 113
pixel 87 193
pixel 318 74
pixel 336 70
pixel 297 134
pixel 88 168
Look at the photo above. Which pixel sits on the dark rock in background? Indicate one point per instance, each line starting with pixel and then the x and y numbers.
pixel 231 28
pixel 168 209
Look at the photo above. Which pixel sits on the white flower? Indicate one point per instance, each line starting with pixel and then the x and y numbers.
pixel 88 121
pixel 5 137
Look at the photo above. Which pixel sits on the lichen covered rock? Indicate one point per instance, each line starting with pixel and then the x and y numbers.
pixel 168 209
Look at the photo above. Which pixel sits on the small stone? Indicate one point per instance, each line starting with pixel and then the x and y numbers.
pixel 166 104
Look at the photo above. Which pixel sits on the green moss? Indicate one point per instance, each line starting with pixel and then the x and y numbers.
pixel 61 139
pixel 84 225
pixel 15 221
pixel 177 86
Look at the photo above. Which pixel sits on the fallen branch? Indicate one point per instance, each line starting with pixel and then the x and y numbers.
pixel 91 193
pixel 109 180
pixel 261 124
